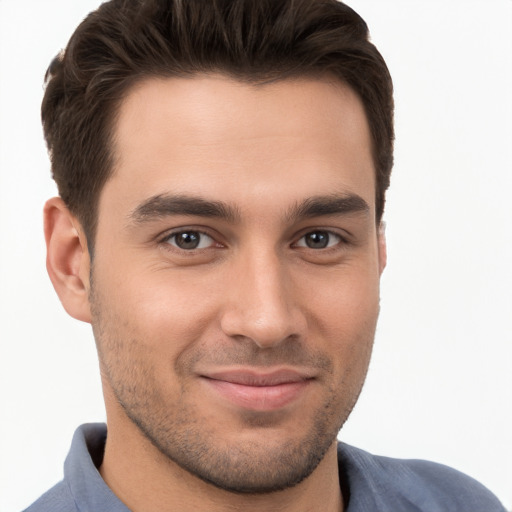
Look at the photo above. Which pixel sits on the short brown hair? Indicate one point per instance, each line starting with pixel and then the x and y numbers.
pixel 255 41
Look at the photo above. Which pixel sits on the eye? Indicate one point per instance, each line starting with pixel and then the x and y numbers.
pixel 189 240
pixel 319 240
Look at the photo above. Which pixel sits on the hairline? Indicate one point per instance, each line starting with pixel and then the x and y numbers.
pixel 134 82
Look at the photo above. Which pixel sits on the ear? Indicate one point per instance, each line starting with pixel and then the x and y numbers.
pixel 67 258
pixel 381 240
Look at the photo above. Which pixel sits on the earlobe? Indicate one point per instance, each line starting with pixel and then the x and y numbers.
pixel 67 258
pixel 382 247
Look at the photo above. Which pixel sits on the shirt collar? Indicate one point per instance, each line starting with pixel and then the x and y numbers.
pixel 81 474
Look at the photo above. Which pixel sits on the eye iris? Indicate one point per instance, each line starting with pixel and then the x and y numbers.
pixel 189 240
pixel 317 240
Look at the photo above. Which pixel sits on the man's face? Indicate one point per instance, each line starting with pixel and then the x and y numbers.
pixel 235 284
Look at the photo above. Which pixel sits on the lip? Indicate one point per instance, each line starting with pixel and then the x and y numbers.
pixel 258 391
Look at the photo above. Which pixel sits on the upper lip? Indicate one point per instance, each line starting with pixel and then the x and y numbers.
pixel 252 377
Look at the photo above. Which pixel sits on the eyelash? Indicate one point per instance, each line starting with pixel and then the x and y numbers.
pixel 170 236
pixel 330 234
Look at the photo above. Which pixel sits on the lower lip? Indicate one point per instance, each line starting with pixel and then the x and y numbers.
pixel 259 398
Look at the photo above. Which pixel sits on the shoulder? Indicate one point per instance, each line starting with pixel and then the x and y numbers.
pixel 57 499
pixel 419 485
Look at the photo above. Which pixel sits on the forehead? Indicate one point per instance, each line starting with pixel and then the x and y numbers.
pixel 220 138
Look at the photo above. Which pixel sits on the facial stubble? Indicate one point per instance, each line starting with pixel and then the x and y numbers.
pixel 183 433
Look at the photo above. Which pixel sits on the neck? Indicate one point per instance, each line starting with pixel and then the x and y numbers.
pixel 146 480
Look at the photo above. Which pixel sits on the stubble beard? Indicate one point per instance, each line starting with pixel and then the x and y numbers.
pixel 249 468
pixel 184 435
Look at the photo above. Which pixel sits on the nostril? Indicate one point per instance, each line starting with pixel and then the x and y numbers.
pixel 260 305
pixel 263 330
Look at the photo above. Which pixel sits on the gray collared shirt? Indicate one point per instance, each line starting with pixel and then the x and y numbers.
pixel 370 483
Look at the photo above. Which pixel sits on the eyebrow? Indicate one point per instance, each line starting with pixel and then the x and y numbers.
pixel 334 204
pixel 161 206
pixel 164 205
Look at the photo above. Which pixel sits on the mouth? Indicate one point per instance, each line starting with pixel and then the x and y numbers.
pixel 258 391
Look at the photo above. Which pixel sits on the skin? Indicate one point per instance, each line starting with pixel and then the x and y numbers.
pixel 290 165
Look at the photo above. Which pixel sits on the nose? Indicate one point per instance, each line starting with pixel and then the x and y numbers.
pixel 261 304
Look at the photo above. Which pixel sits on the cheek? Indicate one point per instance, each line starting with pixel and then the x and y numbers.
pixel 160 305
pixel 344 319
pixel 345 301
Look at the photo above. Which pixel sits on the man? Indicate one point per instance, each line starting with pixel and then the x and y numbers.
pixel 222 169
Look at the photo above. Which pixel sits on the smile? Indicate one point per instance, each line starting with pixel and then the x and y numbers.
pixel 258 392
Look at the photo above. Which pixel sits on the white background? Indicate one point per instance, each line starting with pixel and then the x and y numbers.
pixel 440 383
